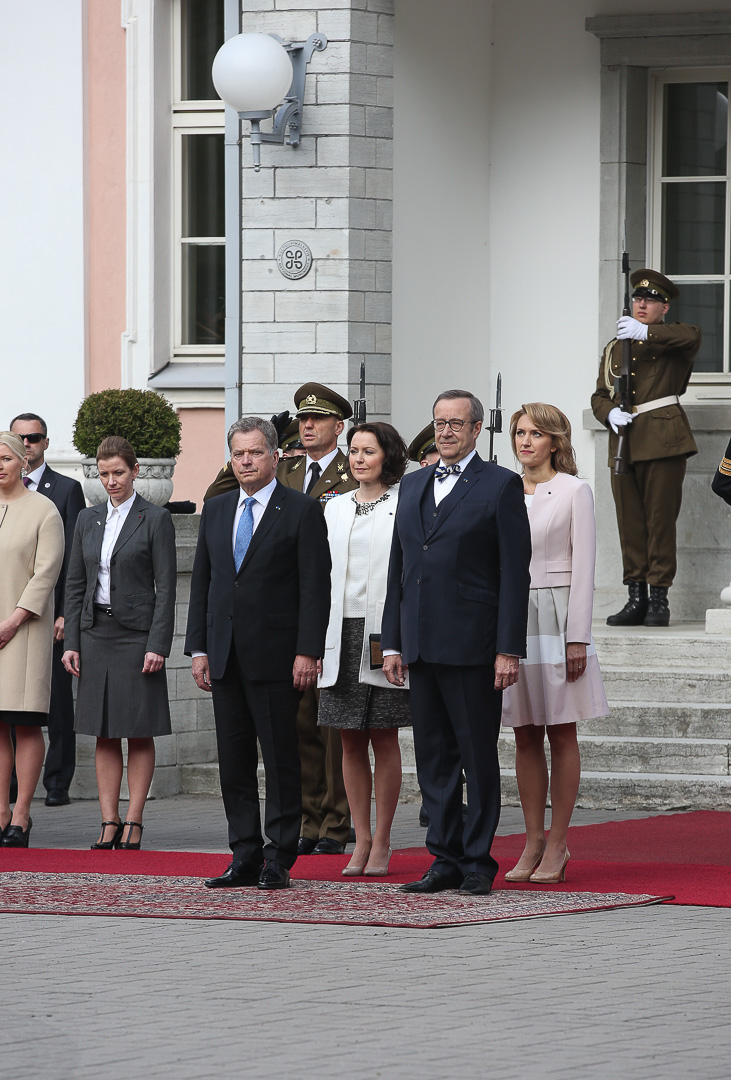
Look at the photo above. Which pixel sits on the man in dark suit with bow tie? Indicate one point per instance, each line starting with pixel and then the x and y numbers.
pixel 68 498
pixel 456 615
pixel 259 609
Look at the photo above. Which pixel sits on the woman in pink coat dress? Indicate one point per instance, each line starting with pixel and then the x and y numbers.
pixel 560 682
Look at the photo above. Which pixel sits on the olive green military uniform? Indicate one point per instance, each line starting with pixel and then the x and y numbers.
pixel 325 811
pixel 648 498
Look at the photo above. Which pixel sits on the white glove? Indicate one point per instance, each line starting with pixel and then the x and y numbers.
pixel 619 418
pixel 627 327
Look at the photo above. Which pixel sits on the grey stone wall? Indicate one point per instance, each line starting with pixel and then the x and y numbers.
pixel 334 193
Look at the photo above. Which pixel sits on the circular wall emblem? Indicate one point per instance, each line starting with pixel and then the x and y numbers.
pixel 294 259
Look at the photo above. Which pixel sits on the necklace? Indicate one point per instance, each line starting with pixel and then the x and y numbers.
pixel 365 508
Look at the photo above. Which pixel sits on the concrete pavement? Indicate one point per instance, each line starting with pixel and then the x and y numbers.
pixel 639 993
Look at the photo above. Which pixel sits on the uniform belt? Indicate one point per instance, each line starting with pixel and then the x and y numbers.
pixel 658 403
pixel 103 607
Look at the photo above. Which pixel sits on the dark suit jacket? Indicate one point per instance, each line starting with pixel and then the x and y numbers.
pixel 142 574
pixel 461 595
pixel 278 603
pixel 721 483
pixel 68 497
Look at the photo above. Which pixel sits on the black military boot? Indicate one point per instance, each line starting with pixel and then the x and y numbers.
pixel 634 611
pixel 658 610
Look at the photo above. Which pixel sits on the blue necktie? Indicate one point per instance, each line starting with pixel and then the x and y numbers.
pixel 443 471
pixel 244 533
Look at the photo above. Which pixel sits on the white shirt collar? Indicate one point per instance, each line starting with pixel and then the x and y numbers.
pixel 464 461
pixel 123 509
pixel 323 462
pixel 262 496
pixel 35 476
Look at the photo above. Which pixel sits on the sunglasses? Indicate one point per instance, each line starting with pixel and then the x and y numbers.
pixel 34 437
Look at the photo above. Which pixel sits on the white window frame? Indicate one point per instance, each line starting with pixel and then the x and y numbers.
pixel 188 118
pixel 659 79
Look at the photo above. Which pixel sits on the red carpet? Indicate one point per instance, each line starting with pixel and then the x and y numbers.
pixel 687 856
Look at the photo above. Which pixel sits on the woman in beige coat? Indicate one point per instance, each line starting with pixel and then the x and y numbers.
pixel 31 553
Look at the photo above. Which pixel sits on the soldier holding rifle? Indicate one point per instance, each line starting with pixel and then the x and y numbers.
pixel 643 406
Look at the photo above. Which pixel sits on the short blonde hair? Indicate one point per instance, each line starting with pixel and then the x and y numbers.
pixel 551 421
pixel 14 443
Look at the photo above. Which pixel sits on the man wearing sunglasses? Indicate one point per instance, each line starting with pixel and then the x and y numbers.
pixel 660 441
pixel 68 498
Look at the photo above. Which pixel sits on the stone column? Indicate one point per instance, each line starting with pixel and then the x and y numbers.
pixel 334 193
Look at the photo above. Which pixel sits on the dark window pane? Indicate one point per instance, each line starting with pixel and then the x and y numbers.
pixel 694 218
pixel 203 193
pixel 202 26
pixel 702 305
pixel 204 291
pixel 696 123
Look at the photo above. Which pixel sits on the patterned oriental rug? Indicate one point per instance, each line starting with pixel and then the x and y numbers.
pixel 333 902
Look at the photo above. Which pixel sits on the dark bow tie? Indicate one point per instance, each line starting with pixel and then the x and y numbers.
pixel 443 471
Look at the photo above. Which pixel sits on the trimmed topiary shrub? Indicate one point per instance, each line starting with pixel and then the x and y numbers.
pixel 143 417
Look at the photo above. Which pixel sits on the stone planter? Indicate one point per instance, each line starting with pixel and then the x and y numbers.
pixel 154 481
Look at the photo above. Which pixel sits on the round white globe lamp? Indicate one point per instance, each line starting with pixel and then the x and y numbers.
pixel 252 74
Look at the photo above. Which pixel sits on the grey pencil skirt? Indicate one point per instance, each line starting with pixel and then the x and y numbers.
pixel 115 700
pixel 355 706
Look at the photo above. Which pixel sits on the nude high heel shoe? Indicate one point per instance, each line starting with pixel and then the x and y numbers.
pixel 378 871
pixel 523 875
pixel 355 869
pixel 552 879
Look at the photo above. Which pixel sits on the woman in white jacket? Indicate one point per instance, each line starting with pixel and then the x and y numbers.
pixel 355 696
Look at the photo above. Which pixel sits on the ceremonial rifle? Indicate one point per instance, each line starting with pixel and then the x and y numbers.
pixel 359 404
pixel 495 426
pixel 622 386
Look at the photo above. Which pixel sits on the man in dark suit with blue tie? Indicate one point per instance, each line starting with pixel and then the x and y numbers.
pixel 259 609
pixel 68 498
pixel 456 615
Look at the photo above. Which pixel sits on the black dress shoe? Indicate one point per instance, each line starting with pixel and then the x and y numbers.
pixel 433 881
pixel 15 837
pixel 305 845
pixel 58 797
pixel 328 846
pixel 274 876
pixel 476 884
pixel 236 876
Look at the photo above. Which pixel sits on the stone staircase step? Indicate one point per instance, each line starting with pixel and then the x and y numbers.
pixel 640 791
pixel 688 685
pixel 645 647
pixel 702 757
pixel 672 719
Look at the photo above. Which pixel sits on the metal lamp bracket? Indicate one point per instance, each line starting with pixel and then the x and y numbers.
pixel 288 117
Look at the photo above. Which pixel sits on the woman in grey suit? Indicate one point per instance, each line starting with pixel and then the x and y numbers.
pixel 120 613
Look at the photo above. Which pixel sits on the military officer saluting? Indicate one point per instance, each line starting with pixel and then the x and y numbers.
pixel 648 497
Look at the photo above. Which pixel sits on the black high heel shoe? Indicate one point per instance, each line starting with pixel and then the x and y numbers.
pixel 107 845
pixel 15 837
pixel 126 843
